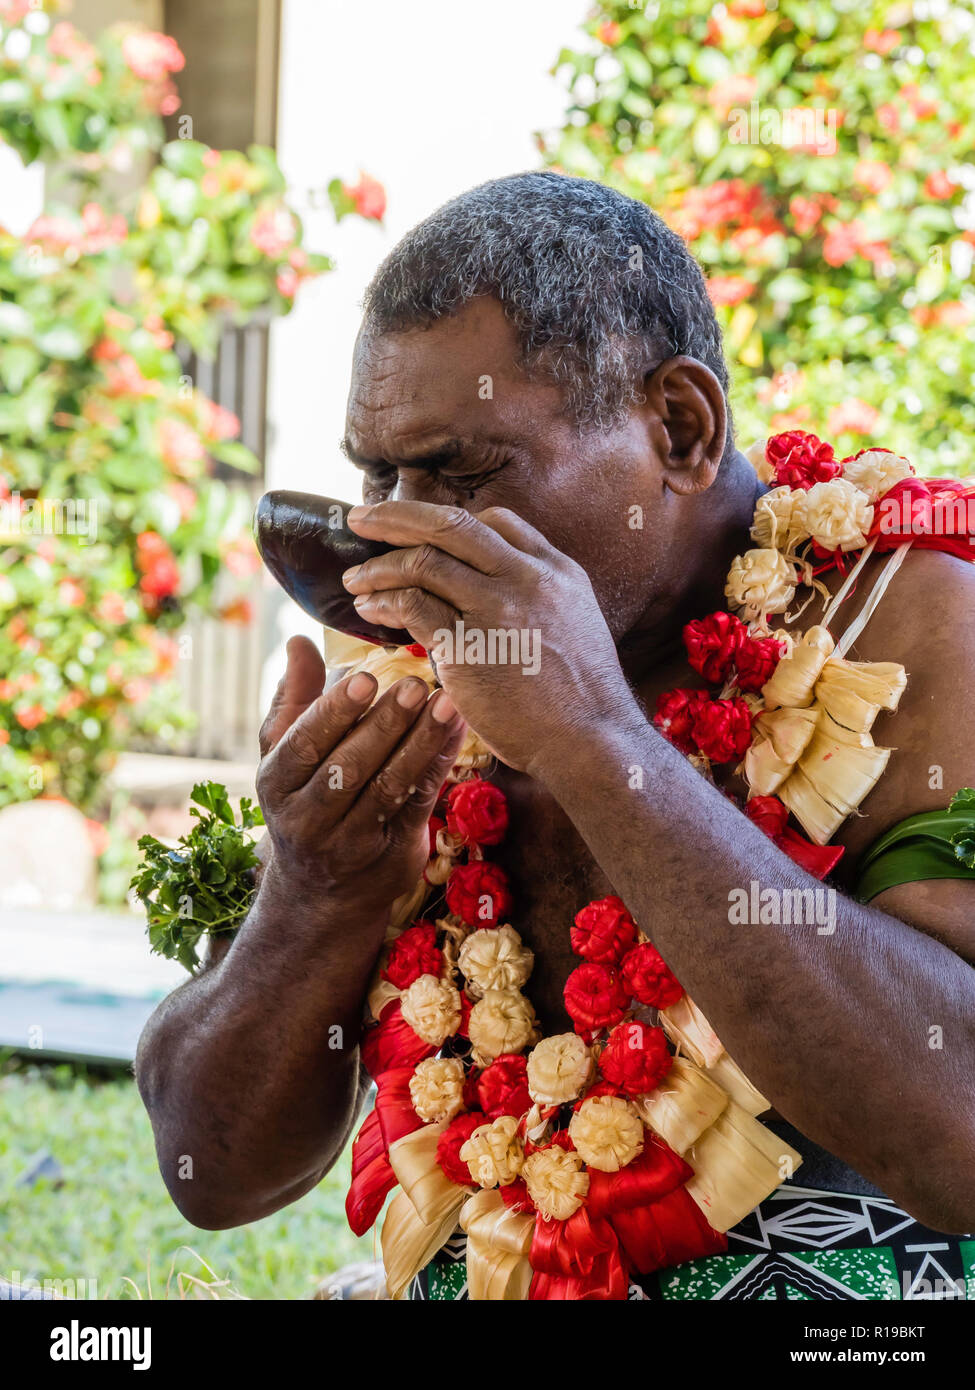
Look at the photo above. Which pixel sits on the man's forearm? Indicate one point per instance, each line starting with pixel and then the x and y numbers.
pixel 834 1029
pixel 260 1096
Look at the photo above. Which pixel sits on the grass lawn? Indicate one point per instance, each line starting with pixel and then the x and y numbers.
pixel 113 1213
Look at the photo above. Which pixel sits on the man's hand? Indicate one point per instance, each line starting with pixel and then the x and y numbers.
pixel 494 573
pixel 346 789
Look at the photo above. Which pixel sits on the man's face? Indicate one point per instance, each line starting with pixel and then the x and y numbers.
pixel 444 414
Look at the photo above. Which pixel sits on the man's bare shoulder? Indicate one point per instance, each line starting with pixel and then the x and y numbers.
pixel 926 622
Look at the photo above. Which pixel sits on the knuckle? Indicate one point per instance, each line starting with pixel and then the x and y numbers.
pixel 388 786
pixel 493 516
pixel 265 737
pixel 425 561
pixel 301 746
pixel 452 519
pixel 412 604
pixel 348 773
pixel 265 782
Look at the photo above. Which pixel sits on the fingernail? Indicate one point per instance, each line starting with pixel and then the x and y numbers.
pixel 444 708
pixel 351 574
pixel 360 686
pixel 361 601
pixel 357 512
pixel 410 694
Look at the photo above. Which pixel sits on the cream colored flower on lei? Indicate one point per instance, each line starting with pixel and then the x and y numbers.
pixel 494 958
pixel 494 1153
pixel 559 1069
pixel 437 1088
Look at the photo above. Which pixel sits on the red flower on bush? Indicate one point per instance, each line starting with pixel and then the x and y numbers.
pixel 477 811
pixel 675 714
pixel 800 459
pixel 648 978
pixel 595 997
pixel 369 197
pixel 636 1058
pixel 478 894
pixel 155 560
pixel 502 1088
pixel 712 645
pixel 450 1143
pixel 414 953
pixel 152 56
pixel 602 931
pixel 722 729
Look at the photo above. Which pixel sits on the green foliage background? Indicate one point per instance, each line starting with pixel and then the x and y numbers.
pixel 95 408
pixel 844 277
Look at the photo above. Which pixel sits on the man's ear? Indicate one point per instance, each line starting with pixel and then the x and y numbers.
pixel 690 416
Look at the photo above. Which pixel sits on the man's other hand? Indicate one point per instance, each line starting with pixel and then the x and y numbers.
pixel 347 786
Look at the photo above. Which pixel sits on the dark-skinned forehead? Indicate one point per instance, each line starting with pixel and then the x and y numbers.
pixel 426 449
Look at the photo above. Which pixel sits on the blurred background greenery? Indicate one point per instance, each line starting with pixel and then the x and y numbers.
pixel 817 157
pixel 109 1218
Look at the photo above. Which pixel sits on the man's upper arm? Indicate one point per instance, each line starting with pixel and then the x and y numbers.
pixel 940 907
pixel 926 621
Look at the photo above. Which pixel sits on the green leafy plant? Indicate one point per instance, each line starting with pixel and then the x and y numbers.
pixel 814 156
pixel 113 528
pixel 204 886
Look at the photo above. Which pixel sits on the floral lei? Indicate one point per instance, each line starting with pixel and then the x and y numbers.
pixel 631 1143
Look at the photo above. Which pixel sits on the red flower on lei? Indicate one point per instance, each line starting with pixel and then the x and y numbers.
pixel 478 893
pixel 602 931
pixel 636 1058
pixel 414 953
pixel 800 460
pixel 595 997
pixel 477 811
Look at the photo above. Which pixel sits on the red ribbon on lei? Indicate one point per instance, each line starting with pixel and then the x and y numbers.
pixel 372 1176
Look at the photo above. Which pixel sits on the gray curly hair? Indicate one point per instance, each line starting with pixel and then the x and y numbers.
pixel 597 286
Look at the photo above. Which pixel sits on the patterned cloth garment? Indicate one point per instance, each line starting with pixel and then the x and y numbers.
pixel 825 1235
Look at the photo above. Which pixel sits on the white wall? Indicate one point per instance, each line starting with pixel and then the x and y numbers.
pixel 428 96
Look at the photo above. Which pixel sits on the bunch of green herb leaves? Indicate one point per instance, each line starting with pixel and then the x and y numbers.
pixel 205 884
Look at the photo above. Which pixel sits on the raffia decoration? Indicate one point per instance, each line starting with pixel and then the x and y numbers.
pixel 730 1077
pixel 842 772
pixel 437 1088
pixel 381 993
pixel 876 471
pixel 780 519
pixel 607 1132
pixel 414 1161
pixel 409 1243
pixel 560 1068
pixel 838 515
pixel 792 682
pixel 685 1103
pixel 557 1182
pixel 755 454
pixel 779 738
pixel 494 958
pixel 814 813
pixel 854 692
pixel 494 1153
pixel 498 1243
pixel 737 1163
pixel 689 1030
pixel 502 1021
pixel 760 582
pixel 432 1009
